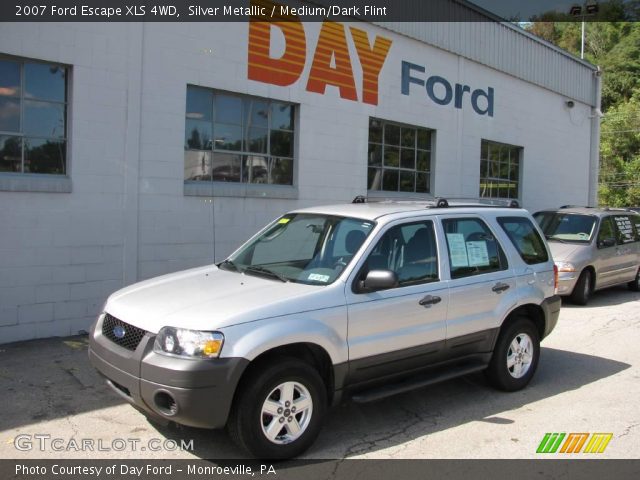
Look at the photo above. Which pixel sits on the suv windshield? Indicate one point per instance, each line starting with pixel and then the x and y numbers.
pixel 566 227
pixel 302 248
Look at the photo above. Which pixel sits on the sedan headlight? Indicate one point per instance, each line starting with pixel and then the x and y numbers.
pixel 188 343
pixel 565 267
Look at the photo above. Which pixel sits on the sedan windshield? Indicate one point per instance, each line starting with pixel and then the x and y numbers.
pixel 566 227
pixel 302 248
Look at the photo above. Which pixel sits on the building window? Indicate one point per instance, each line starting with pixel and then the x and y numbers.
pixel 33 116
pixel 238 138
pixel 399 157
pixel 499 170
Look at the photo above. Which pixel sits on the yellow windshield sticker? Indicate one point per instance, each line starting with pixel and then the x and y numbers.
pixel 284 220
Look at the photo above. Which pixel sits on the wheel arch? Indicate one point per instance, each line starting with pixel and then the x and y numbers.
pixel 311 353
pixel 594 276
pixel 529 310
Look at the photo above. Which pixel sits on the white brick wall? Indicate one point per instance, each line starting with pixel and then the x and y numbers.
pixel 127 217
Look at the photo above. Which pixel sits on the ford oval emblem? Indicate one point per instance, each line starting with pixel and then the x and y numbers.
pixel 119 331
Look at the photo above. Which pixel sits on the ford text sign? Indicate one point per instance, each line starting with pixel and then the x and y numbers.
pixel 441 92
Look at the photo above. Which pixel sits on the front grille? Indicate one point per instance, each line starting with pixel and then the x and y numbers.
pixel 132 335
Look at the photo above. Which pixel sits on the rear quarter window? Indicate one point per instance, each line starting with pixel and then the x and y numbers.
pixel 525 238
pixel 625 227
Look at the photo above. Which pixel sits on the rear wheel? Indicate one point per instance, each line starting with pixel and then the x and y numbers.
pixel 582 290
pixel 279 410
pixel 634 285
pixel 515 357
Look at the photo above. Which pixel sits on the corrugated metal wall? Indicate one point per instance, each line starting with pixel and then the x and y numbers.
pixel 478 35
pixel 510 50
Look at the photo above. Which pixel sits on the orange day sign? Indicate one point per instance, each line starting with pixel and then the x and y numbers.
pixel 331 62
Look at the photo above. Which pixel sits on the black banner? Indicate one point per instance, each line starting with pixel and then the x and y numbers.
pixel 582 469
pixel 316 10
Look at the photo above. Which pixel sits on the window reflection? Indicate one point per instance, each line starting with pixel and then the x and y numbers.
pixel 256 113
pixel 227 137
pixel 282 116
pixel 9 78
pixel 282 143
pixel 33 105
pixel 44 119
pixel 245 139
pixel 228 109
pixel 256 169
pixel 226 167
pixel 198 135
pixel 44 156
pixel 199 104
pixel 45 82
pixel 9 114
pixel 281 171
pixel 197 165
pixel 405 153
pixel 10 154
pixel 499 170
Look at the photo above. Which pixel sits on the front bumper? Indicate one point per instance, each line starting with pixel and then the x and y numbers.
pixel 192 392
pixel 566 282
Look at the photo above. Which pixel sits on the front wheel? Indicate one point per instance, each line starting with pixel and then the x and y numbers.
pixel 515 357
pixel 582 290
pixel 279 410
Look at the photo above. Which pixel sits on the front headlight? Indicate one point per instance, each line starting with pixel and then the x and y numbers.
pixel 565 267
pixel 188 343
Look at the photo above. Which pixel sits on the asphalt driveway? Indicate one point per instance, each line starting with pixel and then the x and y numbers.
pixel 56 406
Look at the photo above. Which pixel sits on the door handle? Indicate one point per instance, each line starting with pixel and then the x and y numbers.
pixel 429 300
pixel 500 287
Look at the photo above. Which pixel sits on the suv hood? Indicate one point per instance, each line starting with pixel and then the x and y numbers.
pixel 564 252
pixel 207 298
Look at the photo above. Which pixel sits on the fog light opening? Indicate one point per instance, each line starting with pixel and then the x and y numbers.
pixel 165 403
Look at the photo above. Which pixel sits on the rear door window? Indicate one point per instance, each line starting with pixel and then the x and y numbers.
pixel 525 238
pixel 473 250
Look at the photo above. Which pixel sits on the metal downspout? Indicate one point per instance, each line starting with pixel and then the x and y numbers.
pixel 594 160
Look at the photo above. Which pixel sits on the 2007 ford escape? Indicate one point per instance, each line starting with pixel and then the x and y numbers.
pixel 358 301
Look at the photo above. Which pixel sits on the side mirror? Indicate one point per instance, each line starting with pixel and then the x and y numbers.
pixel 380 280
pixel 607 242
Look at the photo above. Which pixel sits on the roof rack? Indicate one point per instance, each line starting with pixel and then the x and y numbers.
pixel 441 202
pixel 575 206
pixel 618 209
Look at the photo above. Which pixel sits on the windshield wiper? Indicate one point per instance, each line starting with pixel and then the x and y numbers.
pixel 266 271
pixel 551 237
pixel 230 264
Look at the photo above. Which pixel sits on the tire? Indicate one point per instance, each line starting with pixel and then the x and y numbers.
pixel 262 392
pixel 634 285
pixel 502 372
pixel 583 288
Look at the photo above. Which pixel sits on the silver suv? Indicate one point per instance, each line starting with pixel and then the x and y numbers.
pixel 357 301
pixel 593 248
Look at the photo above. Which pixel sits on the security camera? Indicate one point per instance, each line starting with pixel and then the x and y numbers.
pixel 570 103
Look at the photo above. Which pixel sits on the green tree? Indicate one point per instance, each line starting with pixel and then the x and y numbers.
pixel 620 154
